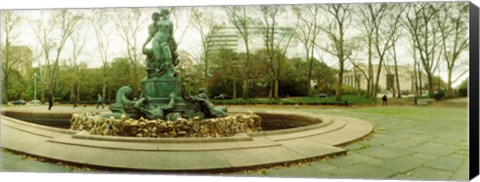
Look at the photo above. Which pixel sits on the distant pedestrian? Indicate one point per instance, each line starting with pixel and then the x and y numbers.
pixel 384 100
pixel 99 101
pixel 50 100
pixel 75 101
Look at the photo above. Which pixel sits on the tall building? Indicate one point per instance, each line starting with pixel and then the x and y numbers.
pixel 229 37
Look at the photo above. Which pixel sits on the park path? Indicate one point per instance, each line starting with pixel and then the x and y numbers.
pixel 428 143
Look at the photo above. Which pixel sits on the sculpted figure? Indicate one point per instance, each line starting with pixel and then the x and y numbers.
pixel 160 33
pixel 211 109
pixel 154 111
pixel 152 30
pixel 121 100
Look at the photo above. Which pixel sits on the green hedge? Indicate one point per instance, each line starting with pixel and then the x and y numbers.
pixel 346 100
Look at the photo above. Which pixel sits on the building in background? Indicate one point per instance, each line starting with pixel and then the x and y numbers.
pixel 229 37
pixel 387 83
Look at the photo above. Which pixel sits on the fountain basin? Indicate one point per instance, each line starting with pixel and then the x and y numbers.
pixel 245 150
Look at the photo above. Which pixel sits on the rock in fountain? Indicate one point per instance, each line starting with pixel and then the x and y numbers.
pixel 212 127
pixel 164 108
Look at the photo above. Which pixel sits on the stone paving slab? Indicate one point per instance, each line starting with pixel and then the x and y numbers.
pixel 363 171
pixel 352 158
pixel 426 173
pixel 402 165
pixel 265 156
pixel 31 166
pixel 385 152
pixel 435 149
pixel 304 171
pixel 311 149
pixel 445 163
pixel 406 143
pixel 323 166
pixel 461 175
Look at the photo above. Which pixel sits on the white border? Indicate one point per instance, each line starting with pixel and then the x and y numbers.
pixel 50 4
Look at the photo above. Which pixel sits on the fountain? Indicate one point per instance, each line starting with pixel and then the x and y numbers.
pixel 164 108
pixel 168 130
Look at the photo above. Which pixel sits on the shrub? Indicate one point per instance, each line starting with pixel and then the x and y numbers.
pixel 346 100
pixel 439 95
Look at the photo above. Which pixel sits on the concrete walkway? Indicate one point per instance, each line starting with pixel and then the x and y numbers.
pixel 186 154
pixel 414 143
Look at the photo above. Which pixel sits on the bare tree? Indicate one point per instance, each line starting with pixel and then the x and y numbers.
pixel 52 37
pixel 99 20
pixel 452 20
pixel 176 17
pixel 10 22
pixel 424 31
pixel 277 41
pixel 78 43
pixel 308 32
pixel 204 21
pixel 238 17
pixel 129 23
pixel 336 28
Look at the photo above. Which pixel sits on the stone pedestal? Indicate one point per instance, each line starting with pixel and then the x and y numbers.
pixel 157 90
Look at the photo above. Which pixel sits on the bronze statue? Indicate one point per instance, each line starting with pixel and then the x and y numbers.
pixel 162 94
pixel 162 58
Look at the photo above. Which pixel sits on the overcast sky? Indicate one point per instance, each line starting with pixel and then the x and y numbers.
pixel 190 41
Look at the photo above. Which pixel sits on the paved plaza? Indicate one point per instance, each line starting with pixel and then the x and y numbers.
pixel 429 143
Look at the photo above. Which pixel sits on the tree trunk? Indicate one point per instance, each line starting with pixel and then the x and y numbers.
pixel 449 85
pixel 104 89
pixel 246 71
pixel 245 89
pixel 275 94
pixel 78 93
pixel 5 89
pixel 205 84
pixel 420 85
pixel 42 93
pixel 377 79
pixel 104 84
pixel 338 93
pixel 399 94
pixel 370 68
pixel 72 92
pixel 270 92
pixel 430 85
pixel 310 77
pixel 234 89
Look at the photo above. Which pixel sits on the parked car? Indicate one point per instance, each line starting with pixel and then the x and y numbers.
pixel 222 97
pixel 34 102
pixel 19 102
pixel 322 95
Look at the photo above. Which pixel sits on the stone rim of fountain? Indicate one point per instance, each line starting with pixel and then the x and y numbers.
pixel 239 151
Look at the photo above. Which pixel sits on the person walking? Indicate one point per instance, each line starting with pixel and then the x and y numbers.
pixel 384 100
pixel 75 101
pixel 99 101
pixel 50 101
